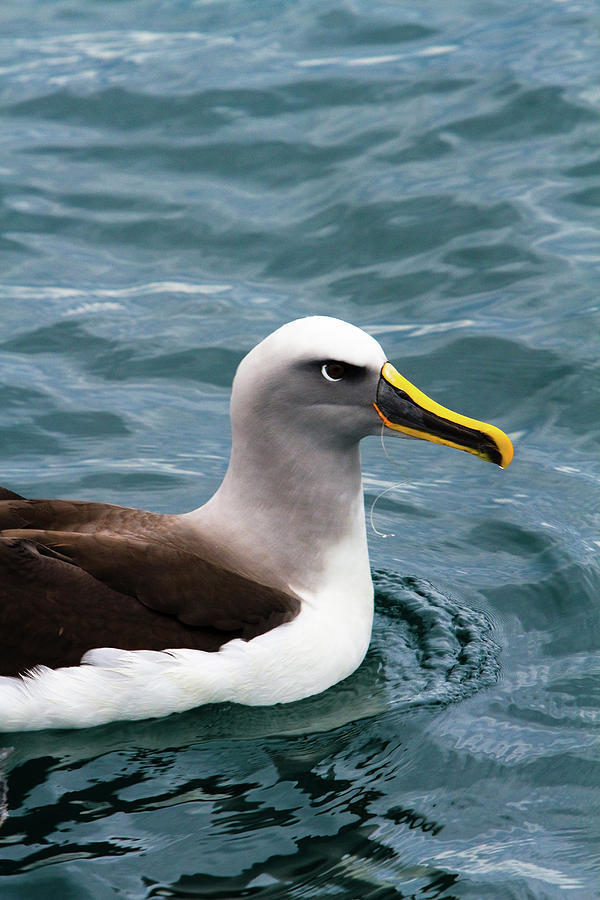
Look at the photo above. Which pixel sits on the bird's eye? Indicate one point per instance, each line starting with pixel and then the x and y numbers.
pixel 333 371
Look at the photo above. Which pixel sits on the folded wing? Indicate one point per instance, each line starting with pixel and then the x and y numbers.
pixel 75 576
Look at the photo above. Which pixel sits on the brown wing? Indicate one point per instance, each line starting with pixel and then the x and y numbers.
pixel 66 591
pixel 76 515
pixel 5 494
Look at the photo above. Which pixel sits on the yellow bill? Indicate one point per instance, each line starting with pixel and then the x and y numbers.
pixel 405 408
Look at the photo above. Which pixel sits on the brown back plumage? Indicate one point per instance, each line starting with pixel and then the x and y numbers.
pixel 77 575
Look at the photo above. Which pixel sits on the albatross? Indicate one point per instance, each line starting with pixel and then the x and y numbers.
pixel 263 595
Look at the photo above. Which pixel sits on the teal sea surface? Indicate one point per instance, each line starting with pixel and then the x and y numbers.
pixel 179 178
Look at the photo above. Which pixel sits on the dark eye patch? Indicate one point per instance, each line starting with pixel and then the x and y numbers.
pixel 348 372
pixel 333 371
pixel 337 370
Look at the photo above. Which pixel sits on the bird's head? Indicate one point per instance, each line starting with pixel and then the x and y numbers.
pixel 325 380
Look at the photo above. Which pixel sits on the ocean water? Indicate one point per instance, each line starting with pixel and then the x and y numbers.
pixel 178 179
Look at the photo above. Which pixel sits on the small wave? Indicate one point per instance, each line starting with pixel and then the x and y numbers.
pixel 433 650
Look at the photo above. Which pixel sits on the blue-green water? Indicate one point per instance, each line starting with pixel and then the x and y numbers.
pixel 178 179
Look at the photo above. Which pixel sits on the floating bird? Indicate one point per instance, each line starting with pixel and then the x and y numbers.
pixel 261 596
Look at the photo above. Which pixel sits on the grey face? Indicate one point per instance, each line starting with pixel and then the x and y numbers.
pixel 315 377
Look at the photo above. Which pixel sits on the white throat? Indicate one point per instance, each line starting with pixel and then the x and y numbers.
pixel 296 520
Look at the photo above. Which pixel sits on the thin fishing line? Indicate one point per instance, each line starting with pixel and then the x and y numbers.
pixel 393 487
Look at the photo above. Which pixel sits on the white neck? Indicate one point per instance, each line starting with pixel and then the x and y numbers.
pixel 294 519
